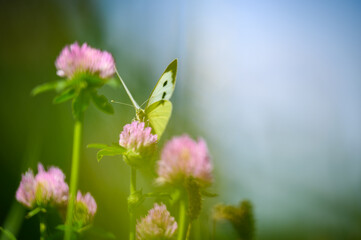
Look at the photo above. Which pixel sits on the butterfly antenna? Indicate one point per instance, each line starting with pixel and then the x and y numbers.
pixel 144 102
pixel 126 89
pixel 126 104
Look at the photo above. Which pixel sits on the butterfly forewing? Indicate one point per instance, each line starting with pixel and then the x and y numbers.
pixel 165 85
pixel 157 115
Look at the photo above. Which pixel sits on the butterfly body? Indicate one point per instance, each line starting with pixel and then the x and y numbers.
pixel 158 109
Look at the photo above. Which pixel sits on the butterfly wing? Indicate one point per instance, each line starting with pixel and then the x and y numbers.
pixel 164 88
pixel 157 115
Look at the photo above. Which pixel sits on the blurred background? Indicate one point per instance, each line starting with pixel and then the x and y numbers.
pixel 273 86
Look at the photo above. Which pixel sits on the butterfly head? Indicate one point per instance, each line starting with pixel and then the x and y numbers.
pixel 140 113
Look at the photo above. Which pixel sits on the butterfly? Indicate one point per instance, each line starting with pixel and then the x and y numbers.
pixel 158 109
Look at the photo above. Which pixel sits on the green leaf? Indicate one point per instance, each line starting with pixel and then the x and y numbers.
pixel 102 103
pixel 57 86
pixel 80 104
pixel 97 145
pixel 65 96
pixel 7 234
pixel 35 211
pixel 110 151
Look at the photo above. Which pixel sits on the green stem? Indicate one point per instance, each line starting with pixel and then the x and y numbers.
pixel 42 226
pixel 188 231
pixel 133 189
pixel 182 219
pixel 77 140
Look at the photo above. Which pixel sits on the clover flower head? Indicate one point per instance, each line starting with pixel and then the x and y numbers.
pixel 136 137
pixel 47 187
pixel 75 58
pixel 26 191
pixel 158 224
pixel 139 142
pixel 85 208
pixel 183 158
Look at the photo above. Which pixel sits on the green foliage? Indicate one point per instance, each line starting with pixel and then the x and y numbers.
pixel 35 212
pixel 135 199
pixel 101 102
pixel 241 218
pixel 58 86
pixel 80 103
pixel 7 234
pixel 65 96
pixel 110 151
pixel 81 88
pixel 194 199
pixel 209 194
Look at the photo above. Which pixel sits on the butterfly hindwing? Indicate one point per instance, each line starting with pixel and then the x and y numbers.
pixel 165 85
pixel 157 115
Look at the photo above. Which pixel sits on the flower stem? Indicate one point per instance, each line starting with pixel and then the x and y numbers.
pixel 133 189
pixel 182 219
pixel 77 140
pixel 188 231
pixel 42 226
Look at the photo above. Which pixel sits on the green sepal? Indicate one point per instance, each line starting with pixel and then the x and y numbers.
pixel 7 234
pixel 133 159
pixel 57 86
pixel 80 103
pixel 97 145
pixel 35 211
pixel 65 96
pixel 101 102
pixel 110 151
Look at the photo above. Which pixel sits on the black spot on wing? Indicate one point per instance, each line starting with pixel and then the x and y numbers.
pixel 165 83
pixel 163 96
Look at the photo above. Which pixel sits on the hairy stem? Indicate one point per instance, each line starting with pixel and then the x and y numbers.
pixel 182 219
pixel 77 140
pixel 133 189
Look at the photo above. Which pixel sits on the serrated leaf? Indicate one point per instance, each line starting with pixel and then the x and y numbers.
pixel 57 86
pixel 35 211
pixel 80 103
pixel 101 102
pixel 110 151
pixel 97 145
pixel 65 96
pixel 8 234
